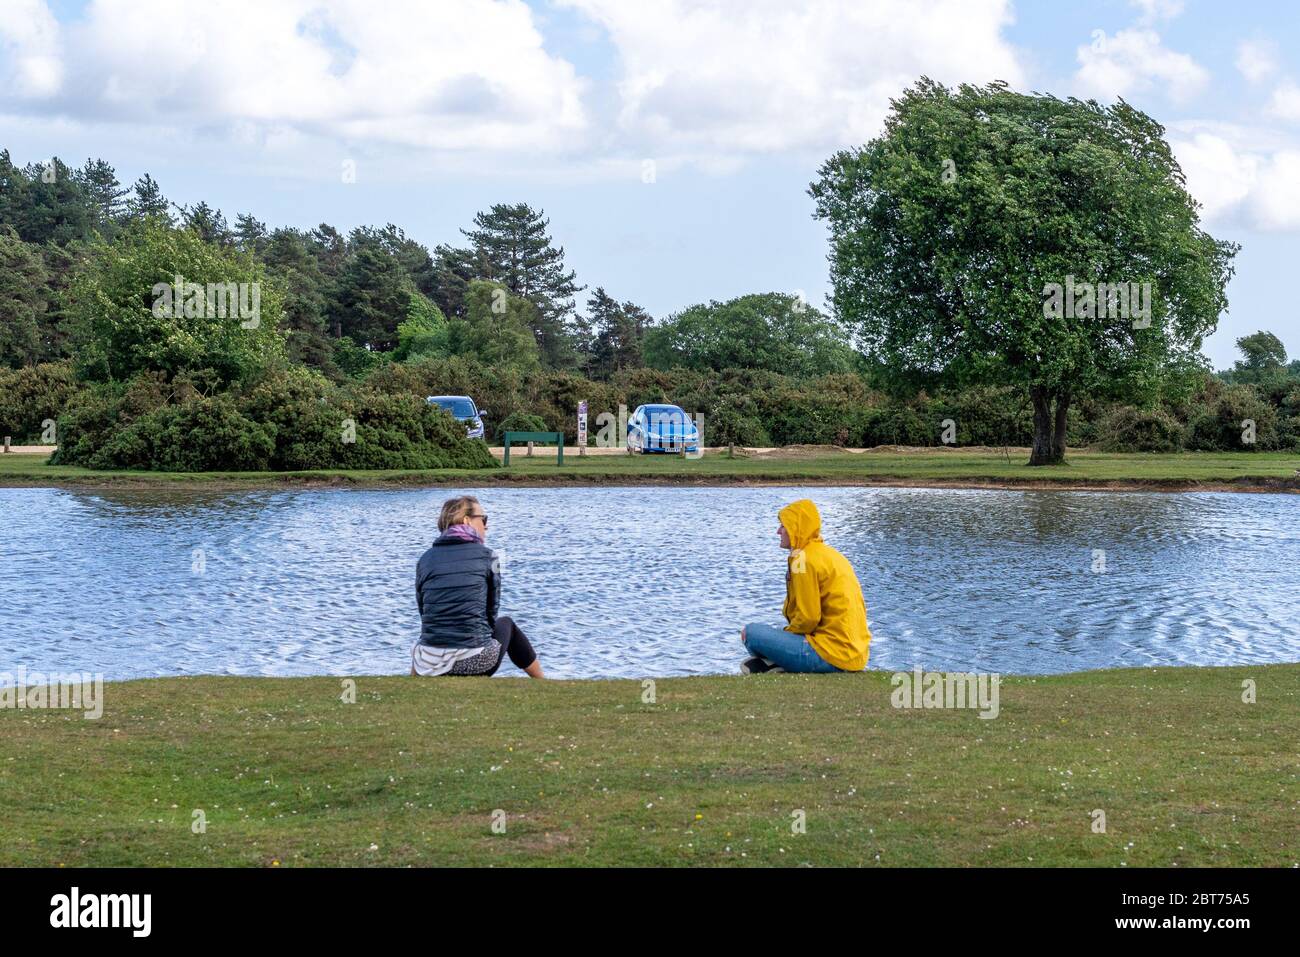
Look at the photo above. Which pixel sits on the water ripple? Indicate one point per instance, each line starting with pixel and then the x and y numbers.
pixel 627 582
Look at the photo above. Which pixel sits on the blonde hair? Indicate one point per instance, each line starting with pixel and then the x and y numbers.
pixel 454 511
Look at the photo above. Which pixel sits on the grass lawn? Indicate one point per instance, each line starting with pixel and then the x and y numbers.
pixel 1241 470
pixel 711 772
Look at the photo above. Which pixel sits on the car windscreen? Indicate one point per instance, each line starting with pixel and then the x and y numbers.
pixel 460 408
pixel 666 417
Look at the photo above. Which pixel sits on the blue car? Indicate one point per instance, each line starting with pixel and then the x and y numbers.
pixel 462 409
pixel 662 428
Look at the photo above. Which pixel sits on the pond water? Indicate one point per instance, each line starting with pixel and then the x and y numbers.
pixel 630 582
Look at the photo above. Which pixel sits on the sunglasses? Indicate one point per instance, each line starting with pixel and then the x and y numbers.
pixel 481 515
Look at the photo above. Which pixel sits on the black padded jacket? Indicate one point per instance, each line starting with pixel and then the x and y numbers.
pixel 458 591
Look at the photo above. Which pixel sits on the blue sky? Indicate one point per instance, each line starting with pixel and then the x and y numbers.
pixel 445 108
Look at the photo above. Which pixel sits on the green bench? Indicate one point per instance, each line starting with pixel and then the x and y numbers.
pixel 556 437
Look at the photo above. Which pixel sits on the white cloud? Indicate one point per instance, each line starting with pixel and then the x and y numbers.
pixel 29 49
pixel 1256 59
pixel 1218 175
pixel 1275 202
pixel 1153 10
pixel 1241 179
pixel 453 74
pixel 753 76
pixel 1134 61
pixel 1285 103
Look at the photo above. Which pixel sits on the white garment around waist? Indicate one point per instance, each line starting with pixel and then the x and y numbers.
pixel 429 661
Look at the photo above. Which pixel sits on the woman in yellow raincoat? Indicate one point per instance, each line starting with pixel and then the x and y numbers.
pixel 827 630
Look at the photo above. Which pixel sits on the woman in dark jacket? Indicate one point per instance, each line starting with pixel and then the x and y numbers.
pixel 458 590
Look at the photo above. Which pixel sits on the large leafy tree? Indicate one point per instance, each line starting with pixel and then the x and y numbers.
pixel 772 331
pixel 23 301
pixel 424 333
pixel 513 247
pixel 496 328
pixel 948 230
pixel 1263 359
pixel 121 331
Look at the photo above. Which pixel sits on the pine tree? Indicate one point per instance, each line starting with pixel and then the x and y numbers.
pixel 372 294
pixel 250 232
pixel 453 270
pixel 208 223
pixel 61 266
pixel 99 182
pixel 55 207
pixel 331 251
pixel 148 202
pixel 13 191
pixel 414 257
pixel 512 242
pixel 23 301
pixel 619 330
pixel 290 258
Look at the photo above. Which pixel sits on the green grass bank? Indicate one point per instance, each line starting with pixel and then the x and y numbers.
pixel 1237 471
pixel 713 771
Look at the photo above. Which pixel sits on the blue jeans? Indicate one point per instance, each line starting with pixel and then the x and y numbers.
pixel 786 650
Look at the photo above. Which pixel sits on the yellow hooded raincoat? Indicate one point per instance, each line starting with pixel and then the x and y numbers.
pixel 823 599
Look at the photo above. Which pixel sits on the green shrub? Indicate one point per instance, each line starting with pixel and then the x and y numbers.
pixel 286 419
pixel 356 361
pixel 100 410
pixel 984 415
pixel 32 395
pixel 735 420
pixel 521 422
pixel 405 432
pixel 1126 429
pixel 1220 428
pixel 1288 424
pixel 899 425
pixel 199 435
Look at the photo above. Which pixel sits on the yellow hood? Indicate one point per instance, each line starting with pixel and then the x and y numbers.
pixel 823 599
pixel 802 523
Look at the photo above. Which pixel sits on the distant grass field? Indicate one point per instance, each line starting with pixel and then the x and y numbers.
pixel 918 466
pixel 714 771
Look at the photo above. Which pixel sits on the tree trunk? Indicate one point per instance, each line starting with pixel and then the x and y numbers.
pixel 1058 431
pixel 1049 426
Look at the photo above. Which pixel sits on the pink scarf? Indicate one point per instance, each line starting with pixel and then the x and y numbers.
pixel 466 533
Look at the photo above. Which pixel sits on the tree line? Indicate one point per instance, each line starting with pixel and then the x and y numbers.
pixel 502 294
pixel 945 233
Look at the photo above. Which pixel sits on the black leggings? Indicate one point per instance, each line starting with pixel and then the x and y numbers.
pixel 513 643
